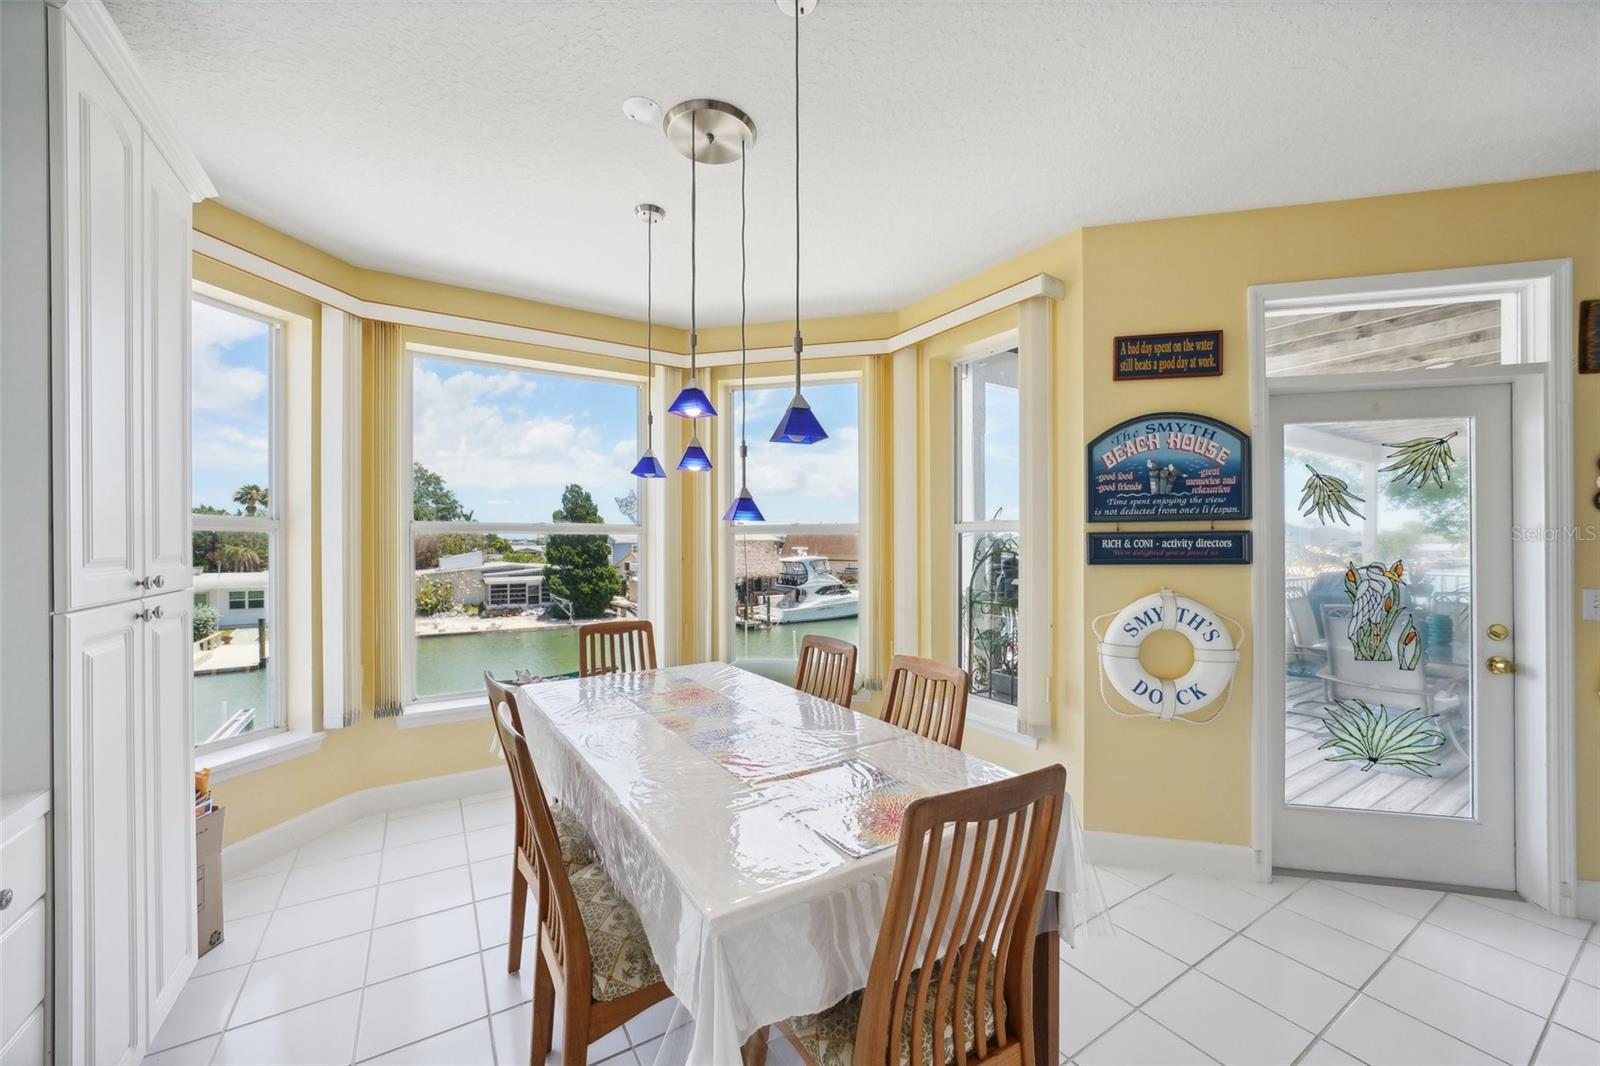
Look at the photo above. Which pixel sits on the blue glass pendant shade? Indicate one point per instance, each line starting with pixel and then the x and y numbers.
pixel 692 403
pixel 649 466
pixel 743 509
pixel 694 456
pixel 799 424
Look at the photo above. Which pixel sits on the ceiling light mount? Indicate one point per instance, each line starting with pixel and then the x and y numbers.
pixel 651 213
pixel 788 7
pixel 724 131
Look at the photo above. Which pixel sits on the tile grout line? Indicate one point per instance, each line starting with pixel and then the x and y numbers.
pixel 249 967
pixel 1550 1019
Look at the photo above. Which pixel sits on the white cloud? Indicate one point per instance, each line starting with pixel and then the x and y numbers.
pixel 220 387
pixel 469 430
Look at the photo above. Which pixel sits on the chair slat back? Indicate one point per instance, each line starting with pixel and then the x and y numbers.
pixel 968 884
pixel 827 668
pixel 927 697
pixel 609 647
pixel 503 695
pixel 561 927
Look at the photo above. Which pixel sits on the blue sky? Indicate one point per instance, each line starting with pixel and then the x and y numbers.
pixel 231 399
pixel 507 441
pixel 812 482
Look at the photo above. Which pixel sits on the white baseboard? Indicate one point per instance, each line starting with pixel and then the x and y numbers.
pixel 1234 862
pixel 1588 900
pixel 263 847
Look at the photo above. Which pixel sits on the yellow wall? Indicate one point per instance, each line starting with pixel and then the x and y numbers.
pixel 1192 273
pixel 1129 776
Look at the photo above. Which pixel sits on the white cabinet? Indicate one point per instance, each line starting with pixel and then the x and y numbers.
pixel 100 402
pixel 167 264
pixel 123 410
pixel 24 928
pixel 101 779
pixel 124 866
pixel 168 740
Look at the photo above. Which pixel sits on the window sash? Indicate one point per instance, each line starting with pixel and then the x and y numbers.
pixel 414 528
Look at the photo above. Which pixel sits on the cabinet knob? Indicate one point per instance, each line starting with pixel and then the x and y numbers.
pixel 158 581
pixel 5 898
pixel 149 614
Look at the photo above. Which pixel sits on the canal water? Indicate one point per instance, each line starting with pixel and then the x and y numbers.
pixel 455 664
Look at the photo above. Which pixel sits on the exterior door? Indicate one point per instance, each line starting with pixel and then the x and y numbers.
pixel 1395 756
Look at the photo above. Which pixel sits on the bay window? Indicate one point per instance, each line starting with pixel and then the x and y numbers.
pixel 988 531
pixel 525 520
pixel 800 571
pixel 236 408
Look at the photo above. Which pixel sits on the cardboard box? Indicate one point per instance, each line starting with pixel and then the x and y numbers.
pixel 208 877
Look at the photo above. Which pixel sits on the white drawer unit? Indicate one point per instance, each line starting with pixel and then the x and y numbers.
pixel 26 1047
pixel 25 964
pixel 22 872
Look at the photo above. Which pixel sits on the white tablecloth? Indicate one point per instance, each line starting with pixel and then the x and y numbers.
pixel 752 916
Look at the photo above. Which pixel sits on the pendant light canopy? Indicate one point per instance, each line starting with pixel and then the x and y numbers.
pixel 743 508
pixel 692 402
pixel 648 465
pixel 799 423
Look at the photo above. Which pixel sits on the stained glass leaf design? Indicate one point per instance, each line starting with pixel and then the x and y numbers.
pixel 1378 736
pixel 1422 459
pixel 1326 496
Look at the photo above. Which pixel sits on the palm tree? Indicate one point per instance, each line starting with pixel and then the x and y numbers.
pixel 241 557
pixel 251 498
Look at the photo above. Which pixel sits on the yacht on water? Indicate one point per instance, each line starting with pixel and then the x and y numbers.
pixel 807 591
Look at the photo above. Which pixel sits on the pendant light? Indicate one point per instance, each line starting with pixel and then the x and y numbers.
pixel 648 465
pixel 692 402
pixel 799 424
pixel 743 508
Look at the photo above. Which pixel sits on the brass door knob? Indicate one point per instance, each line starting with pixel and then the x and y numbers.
pixel 1499 664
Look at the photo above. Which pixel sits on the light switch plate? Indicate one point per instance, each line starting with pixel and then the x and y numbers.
pixel 1591 605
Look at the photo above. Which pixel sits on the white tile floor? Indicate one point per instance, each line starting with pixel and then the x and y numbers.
pixel 385 941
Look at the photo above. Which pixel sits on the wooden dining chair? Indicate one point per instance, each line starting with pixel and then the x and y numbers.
pixel 591 948
pixel 951 979
pixel 609 647
pixel 827 668
pixel 927 697
pixel 576 849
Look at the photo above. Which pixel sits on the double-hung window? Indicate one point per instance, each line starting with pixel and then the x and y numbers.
pixel 988 524
pixel 525 520
pixel 236 392
pixel 800 571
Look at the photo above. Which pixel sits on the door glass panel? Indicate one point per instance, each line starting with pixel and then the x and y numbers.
pixel 1377 535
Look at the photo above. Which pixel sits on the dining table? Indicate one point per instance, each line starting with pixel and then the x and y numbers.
pixel 753 827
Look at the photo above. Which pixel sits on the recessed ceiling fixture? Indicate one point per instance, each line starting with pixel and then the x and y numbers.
pixel 743 508
pixel 799 424
pixel 642 109
pixel 648 465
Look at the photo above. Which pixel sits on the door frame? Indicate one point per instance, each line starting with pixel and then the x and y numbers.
pixel 1538 327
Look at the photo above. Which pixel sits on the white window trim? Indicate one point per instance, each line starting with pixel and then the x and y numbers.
pixel 463 706
pixel 1541 342
pixel 1033 342
pixel 270 524
pixel 727 533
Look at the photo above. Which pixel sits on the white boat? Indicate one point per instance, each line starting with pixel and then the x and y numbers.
pixel 812 592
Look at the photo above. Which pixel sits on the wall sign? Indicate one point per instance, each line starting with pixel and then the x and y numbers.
pixel 1168 355
pixel 1189 548
pixel 1169 467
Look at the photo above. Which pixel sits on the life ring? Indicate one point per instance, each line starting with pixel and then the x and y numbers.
pixel 1216 656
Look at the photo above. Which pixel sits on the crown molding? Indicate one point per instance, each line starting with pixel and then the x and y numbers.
pixel 231 254
pixel 95 25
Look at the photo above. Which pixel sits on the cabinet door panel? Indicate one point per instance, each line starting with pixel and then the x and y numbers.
pixel 99 428
pixel 169 853
pixel 99 818
pixel 167 546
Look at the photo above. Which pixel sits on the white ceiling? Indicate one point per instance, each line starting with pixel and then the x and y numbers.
pixel 483 144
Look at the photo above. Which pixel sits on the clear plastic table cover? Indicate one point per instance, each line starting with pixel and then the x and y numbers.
pixel 740 817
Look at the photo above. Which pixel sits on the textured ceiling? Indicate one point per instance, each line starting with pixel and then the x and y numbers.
pixel 483 144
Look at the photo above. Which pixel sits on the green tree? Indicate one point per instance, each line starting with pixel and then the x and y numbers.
pixel 204 621
pixel 579 566
pixel 435 597
pixel 251 497
pixel 432 500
